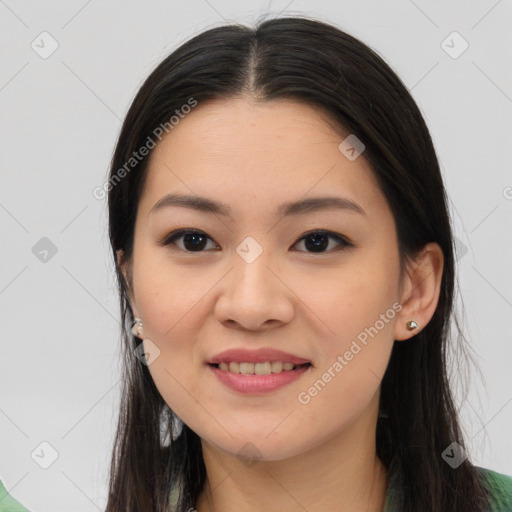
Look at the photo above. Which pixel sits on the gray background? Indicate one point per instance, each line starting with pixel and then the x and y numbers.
pixel 60 116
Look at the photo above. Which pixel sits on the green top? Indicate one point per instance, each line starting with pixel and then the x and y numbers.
pixel 499 484
pixel 8 503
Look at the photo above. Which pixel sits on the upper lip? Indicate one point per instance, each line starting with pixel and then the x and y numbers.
pixel 256 356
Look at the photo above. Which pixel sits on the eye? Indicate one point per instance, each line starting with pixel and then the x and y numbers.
pixel 195 241
pixel 318 240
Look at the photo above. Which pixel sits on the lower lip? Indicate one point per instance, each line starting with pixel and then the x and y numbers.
pixel 255 384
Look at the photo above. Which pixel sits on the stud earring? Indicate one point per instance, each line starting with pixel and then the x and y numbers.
pixel 136 327
pixel 412 325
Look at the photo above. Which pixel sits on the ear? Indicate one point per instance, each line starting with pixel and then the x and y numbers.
pixel 124 267
pixel 420 290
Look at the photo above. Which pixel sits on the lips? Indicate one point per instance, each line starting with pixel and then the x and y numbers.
pixel 256 356
pixel 248 385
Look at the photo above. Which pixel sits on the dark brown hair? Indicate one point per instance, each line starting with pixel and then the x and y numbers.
pixel 318 64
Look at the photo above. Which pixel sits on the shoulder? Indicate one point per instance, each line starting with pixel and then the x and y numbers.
pixel 500 488
pixel 8 503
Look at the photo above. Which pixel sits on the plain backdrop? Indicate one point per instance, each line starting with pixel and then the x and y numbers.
pixel 60 115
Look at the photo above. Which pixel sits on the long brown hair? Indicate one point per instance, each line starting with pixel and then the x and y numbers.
pixel 318 64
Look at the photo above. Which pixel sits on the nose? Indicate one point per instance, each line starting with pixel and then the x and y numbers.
pixel 255 296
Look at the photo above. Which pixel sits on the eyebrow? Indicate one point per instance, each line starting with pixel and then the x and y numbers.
pixel 207 205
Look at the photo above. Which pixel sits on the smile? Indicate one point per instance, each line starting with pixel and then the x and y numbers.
pixel 264 368
pixel 253 383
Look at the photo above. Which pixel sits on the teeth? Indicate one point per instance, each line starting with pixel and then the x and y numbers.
pixel 265 368
pixel 246 368
pixel 277 366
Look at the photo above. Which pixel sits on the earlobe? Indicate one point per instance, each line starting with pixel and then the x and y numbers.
pixel 420 293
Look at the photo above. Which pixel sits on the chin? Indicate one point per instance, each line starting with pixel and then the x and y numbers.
pixel 258 449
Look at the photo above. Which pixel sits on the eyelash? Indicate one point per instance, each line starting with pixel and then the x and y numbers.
pixel 174 235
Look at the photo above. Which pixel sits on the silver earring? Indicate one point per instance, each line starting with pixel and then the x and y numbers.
pixel 136 327
pixel 412 325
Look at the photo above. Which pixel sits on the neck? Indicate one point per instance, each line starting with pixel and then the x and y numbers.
pixel 342 474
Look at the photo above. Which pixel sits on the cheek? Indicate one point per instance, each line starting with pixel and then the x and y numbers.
pixel 352 359
pixel 356 316
pixel 167 294
pixel 343 301
pixel 169 323
pixel 171 300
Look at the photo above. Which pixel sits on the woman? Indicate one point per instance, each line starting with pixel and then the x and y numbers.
pixel 284 252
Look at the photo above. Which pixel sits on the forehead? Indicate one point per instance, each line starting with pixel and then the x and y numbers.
pixel 241 151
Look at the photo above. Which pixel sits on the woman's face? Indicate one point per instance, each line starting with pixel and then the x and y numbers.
pixel 253 280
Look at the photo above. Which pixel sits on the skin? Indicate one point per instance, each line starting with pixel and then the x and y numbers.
pixel 193 305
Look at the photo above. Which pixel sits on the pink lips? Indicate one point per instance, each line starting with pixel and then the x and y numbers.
pixel 256 356
pixel 257 384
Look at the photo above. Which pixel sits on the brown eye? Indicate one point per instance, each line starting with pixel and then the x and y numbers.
pixel 318 241
pixel 193 240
